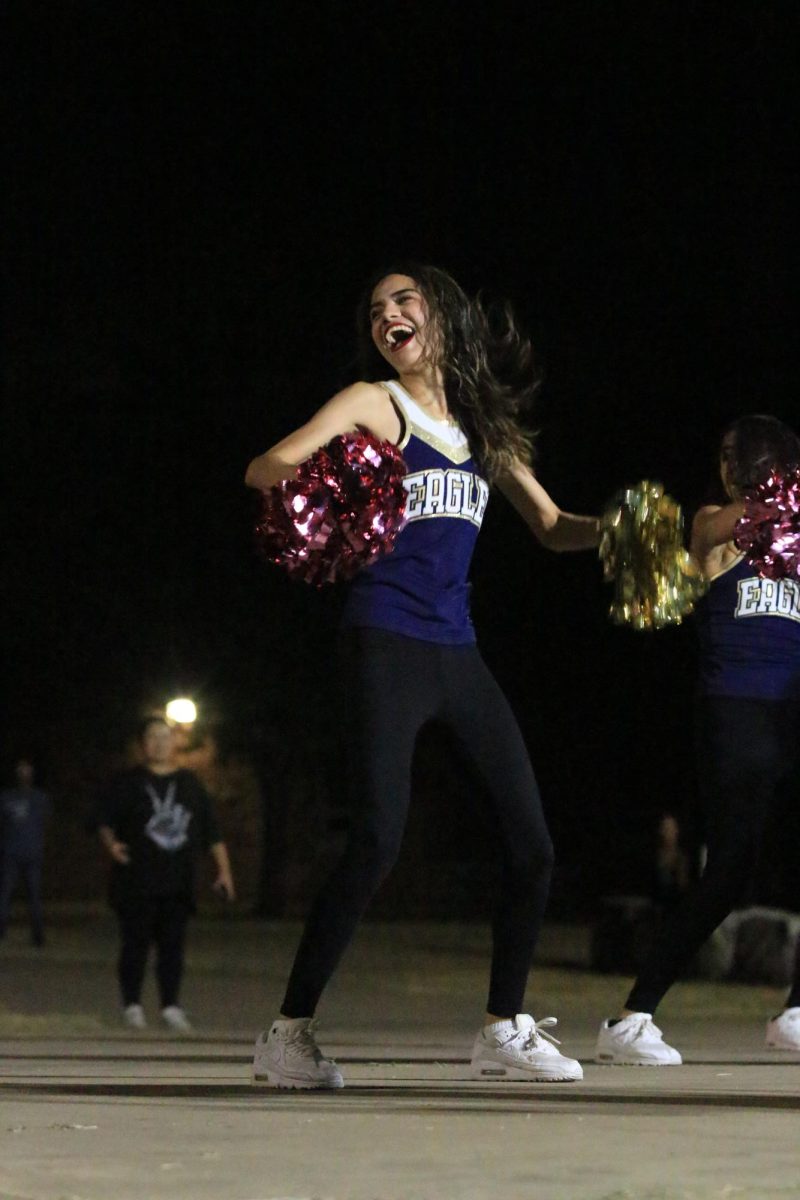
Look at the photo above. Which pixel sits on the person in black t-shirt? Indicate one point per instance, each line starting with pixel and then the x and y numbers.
pixel 154 821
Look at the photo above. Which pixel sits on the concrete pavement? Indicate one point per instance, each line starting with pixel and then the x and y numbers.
pixel 91 1112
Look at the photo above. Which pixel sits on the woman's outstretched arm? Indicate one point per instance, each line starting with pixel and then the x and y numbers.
pixel 555 529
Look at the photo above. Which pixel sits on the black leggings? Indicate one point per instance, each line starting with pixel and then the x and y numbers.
pixel 393 686
pixel 160 919
pixel 747 750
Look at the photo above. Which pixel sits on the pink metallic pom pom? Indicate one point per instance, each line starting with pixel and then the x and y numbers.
pixel 343 509
pixel 769 531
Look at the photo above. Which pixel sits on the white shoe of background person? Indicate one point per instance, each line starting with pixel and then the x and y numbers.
pixel 783 1031
pixel 289 1057
pixel 133 1016
pixel 519 1049
pixel 176 1019
pixel 634 1041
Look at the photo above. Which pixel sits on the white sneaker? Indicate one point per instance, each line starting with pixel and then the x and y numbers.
pixel 133 1016
pixel 289 1057
pixel 519 1049
pixel 783 1032
pixel 634 1041
pixel 176 1019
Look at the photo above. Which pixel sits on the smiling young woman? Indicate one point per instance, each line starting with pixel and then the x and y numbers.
pixel 453 403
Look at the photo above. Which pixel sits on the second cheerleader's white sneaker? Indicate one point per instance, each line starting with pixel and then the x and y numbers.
pixel 783 1032
pixel 634 1041
pixel 519 1049
pixel 289 1057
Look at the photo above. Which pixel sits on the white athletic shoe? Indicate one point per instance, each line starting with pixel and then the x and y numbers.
pixel 519 1049
pixel 289 1057
pixel 783 1032
pixel 634 1041
pixel 176 1019
pixel 133 1016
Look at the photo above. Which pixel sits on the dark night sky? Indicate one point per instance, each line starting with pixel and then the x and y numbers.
pixel 197 192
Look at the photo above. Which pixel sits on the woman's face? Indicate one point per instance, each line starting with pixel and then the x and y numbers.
pixel 397 317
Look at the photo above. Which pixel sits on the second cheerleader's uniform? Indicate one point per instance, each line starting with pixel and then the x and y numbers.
pixel 749 631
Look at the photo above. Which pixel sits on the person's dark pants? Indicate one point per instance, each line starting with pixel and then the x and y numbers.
pixel 13 868
pixel 747 751
pixel 393 685
pixel 161 920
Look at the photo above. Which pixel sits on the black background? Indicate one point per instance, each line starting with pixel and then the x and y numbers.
pixel 196 193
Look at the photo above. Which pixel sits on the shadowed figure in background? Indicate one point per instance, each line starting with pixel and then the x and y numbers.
pixel 24 811
pixel 671 869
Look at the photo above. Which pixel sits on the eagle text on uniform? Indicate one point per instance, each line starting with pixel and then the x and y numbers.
pixel 446 493
pixel 771 597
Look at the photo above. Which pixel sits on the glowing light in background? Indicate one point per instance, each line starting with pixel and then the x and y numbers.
pixel 182 711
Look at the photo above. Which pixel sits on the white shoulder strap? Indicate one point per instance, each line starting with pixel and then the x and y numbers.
pixel 398 394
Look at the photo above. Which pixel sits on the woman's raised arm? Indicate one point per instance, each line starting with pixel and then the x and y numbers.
pixel 713 526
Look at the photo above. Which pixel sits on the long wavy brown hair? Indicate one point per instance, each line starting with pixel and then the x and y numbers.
pixel 486 362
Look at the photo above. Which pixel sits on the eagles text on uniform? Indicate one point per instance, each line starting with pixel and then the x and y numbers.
pixel 771 597
pixel 446 493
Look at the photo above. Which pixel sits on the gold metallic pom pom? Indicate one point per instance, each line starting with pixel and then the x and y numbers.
pixel 656 581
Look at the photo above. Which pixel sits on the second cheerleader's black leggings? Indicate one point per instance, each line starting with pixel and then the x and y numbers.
pixel 393 685
pixel 748 752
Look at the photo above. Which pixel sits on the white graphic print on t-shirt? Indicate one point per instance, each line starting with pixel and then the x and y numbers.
pixel 169 824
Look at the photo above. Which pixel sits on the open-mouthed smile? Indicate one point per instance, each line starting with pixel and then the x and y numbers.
pixel 397 334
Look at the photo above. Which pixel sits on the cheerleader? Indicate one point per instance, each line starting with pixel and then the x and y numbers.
pixel 748 739
pixel 449 391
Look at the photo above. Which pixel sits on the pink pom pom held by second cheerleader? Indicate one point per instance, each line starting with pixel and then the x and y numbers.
pixel 769 529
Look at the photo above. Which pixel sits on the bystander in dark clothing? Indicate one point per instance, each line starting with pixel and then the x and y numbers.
pixel 155 822
pixel 24 811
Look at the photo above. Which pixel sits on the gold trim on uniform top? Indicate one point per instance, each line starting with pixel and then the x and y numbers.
pixel 454 454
